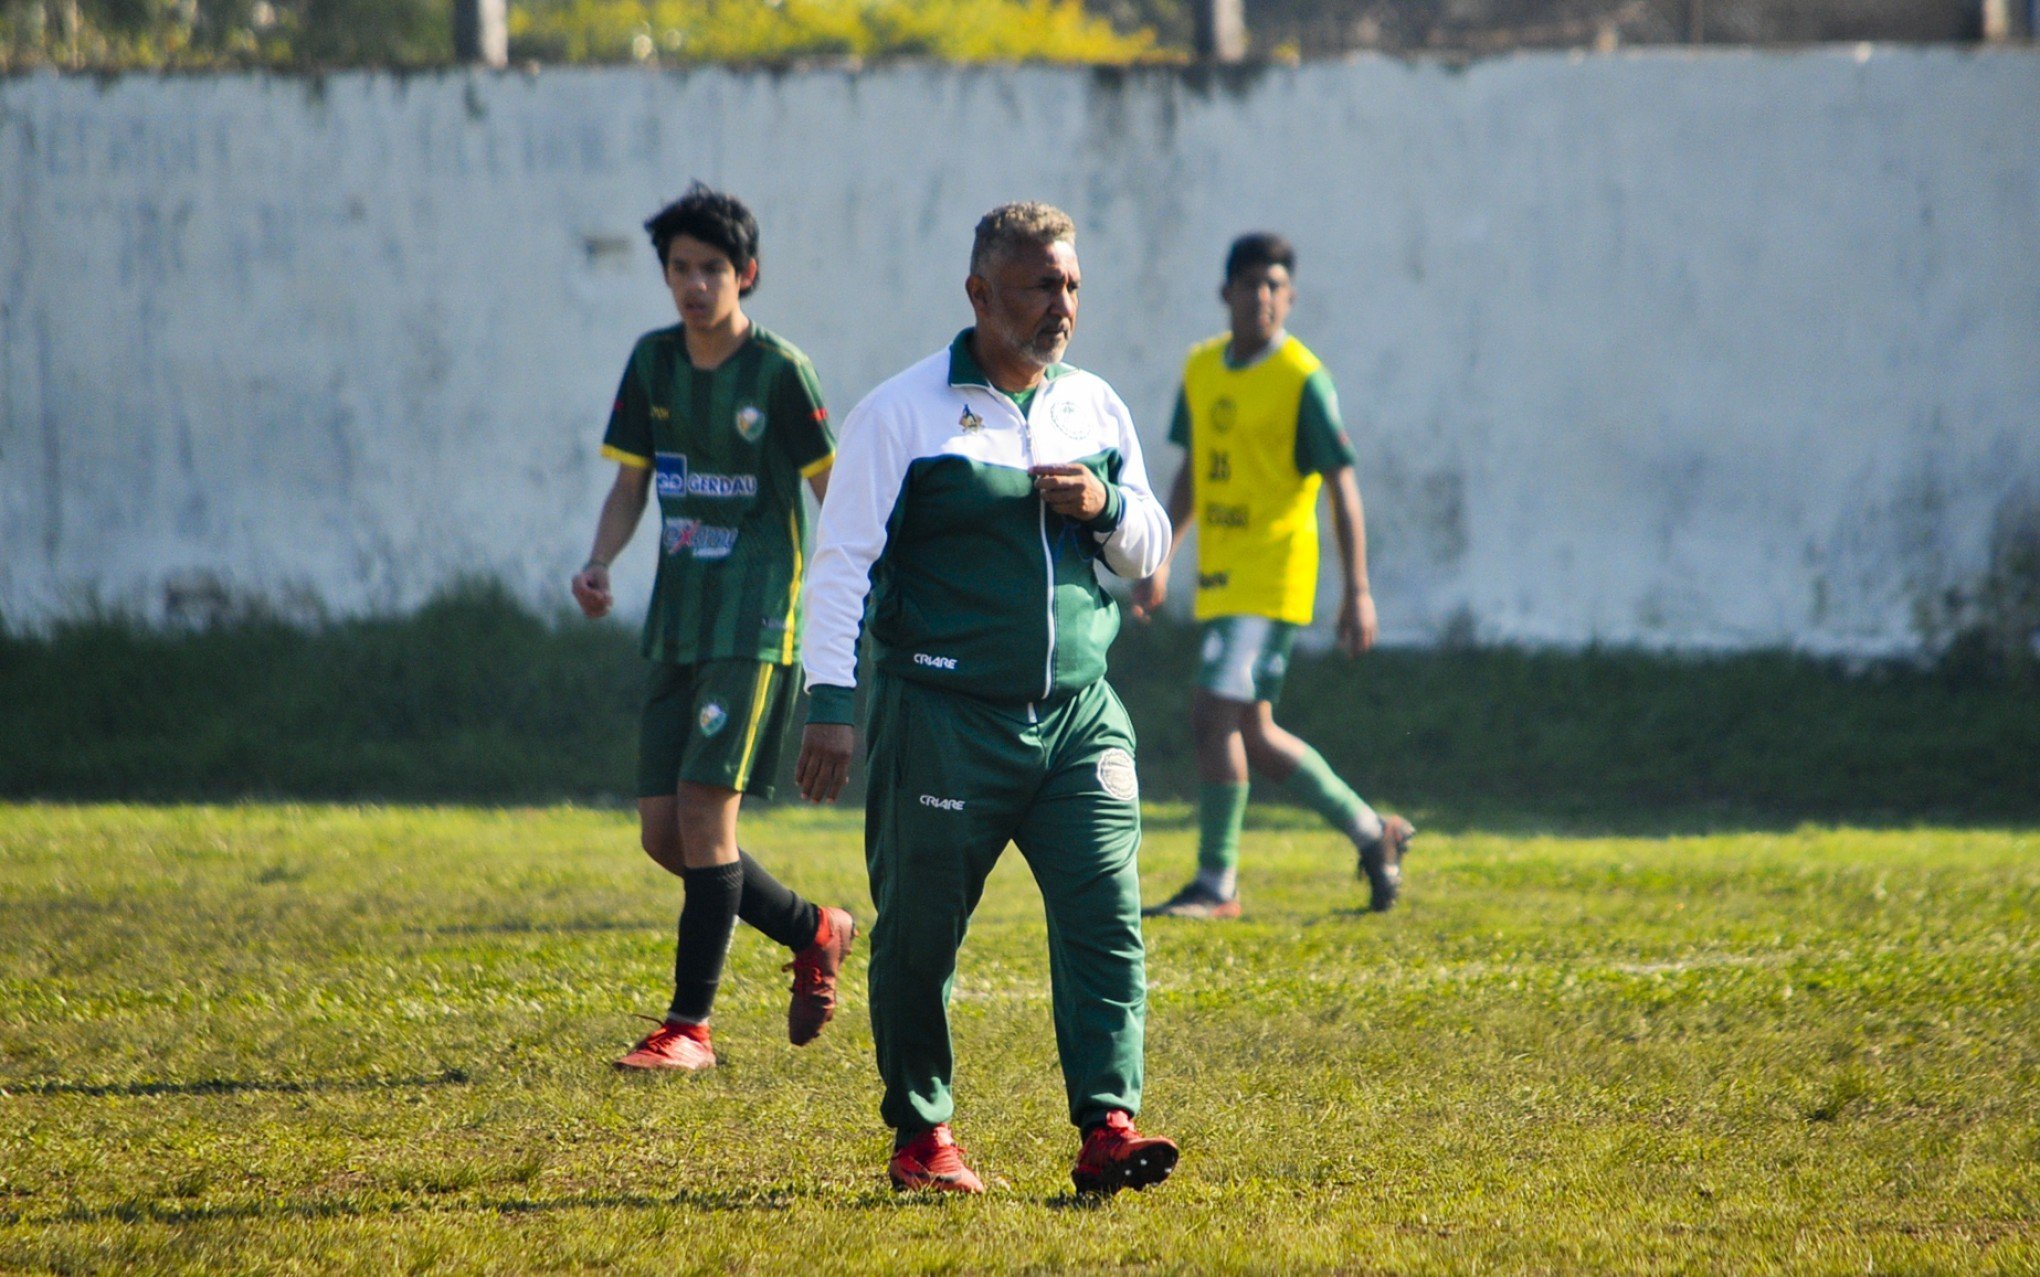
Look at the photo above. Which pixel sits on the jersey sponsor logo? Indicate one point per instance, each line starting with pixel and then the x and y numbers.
pixel 713 718
pixel 659 413
pixel 942 804
pixel 702 540
pixel 1223 413
pixel 1213 580
pixel 1225 516
pixel 722 485
pixel 669 479
pixel 677 479
pixel 750 422
pixel 1069 418
pixel 935 662
pixel 1116 775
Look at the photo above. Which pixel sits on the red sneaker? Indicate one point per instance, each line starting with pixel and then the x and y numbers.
pixel 814 976
pixel 672 1046
pixel 932 1160
pixel 1116 1156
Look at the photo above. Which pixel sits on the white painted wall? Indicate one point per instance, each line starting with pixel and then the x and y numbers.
pixel 1727 349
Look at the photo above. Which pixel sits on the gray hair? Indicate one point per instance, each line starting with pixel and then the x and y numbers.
pixel 1011 226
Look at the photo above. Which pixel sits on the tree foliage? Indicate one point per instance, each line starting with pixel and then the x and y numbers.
pixel 138 34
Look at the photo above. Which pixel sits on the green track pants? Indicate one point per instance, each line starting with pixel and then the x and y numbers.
pixel 953 779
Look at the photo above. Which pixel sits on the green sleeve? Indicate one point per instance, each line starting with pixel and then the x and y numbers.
pixel 1179 420
pixel 629 437
pixel 828 703
pixel 1321 443
pixel 800 422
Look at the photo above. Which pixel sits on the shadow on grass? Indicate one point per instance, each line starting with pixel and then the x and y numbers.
pixel 1671 821
pixel 527 927
pixel 706 1201
pixel 240 1086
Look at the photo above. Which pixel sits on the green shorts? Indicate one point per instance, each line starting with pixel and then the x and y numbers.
pixel 1244 658
pixel 718 723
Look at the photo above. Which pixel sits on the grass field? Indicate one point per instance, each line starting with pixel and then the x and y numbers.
pixel 332 1039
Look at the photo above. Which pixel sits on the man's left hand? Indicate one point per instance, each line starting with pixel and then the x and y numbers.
pixel 1356 623
pixel 824 765
pixel 1072 491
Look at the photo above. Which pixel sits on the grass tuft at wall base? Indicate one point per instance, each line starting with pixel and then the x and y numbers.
pixel 475 699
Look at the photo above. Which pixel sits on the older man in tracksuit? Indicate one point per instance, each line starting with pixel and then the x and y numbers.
pixel 974 494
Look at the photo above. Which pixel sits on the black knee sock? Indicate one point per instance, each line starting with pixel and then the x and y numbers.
pixel 706 920
pixel 775 908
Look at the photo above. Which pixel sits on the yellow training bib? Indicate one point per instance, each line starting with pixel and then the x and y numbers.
pixel 1257 538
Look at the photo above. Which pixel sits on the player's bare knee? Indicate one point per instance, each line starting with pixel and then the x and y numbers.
pixel 663 846
pixel 1264 758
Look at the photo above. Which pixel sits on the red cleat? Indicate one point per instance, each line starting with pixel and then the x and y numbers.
pixel 672 1046
pixel 814 976
pixel 1116 1156
pixel 932 1160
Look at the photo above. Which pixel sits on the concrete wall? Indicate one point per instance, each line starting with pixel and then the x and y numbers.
pixel 1707 350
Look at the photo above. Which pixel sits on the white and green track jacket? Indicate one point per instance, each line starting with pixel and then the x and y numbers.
pixel 975 585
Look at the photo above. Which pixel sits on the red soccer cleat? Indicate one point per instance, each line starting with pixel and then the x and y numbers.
pixel 1116 1156
pixel 932 1160
pixel 672 1046
pixel 814 976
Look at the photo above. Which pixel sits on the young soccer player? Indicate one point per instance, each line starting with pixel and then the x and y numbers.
pixel 1260 420
pixel 720 420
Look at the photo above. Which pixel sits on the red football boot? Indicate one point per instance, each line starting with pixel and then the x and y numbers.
pixel 814 976
pixel 672 1046
pixel 932 1160
pixel 1116 1156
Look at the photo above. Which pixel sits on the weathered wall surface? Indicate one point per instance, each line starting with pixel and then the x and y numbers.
pixel 1717 350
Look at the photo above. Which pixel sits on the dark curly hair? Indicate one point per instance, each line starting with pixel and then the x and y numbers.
pixel 714 218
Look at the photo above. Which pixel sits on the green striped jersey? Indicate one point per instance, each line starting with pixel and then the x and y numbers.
pixel 728 449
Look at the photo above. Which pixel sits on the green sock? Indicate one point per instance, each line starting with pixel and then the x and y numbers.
pixel 1319 788
pixel 1220 809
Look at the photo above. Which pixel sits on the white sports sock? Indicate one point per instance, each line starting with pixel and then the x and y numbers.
pixel 1223 883
pixel 1367 830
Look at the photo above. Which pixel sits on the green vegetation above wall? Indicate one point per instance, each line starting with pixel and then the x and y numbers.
pixel 413 34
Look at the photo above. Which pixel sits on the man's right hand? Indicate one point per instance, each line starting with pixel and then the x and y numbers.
pixel 824 766
pixel 591 591
pixel 1149 594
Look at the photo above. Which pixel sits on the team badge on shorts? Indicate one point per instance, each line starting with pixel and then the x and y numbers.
pixel 713 718
pixel 750 422
pixel 1116 775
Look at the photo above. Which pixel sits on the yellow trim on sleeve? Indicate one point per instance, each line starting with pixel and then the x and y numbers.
pixel 631 459
pixel 758 699
pixel 813 468
pixel 792 590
